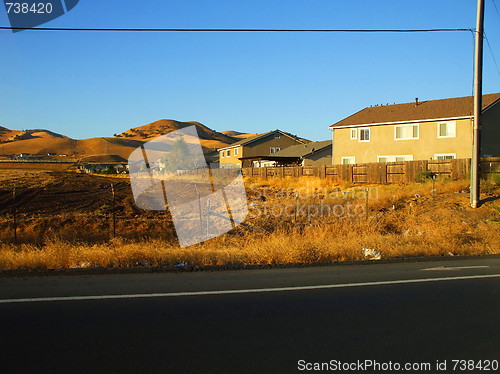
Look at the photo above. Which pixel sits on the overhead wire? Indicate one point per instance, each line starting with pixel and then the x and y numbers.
pixel 244 30
pixel 236 30
pixel 495 5
pixel 492 54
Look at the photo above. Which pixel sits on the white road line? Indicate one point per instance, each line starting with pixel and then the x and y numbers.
pixel 445 268
pixel 244 291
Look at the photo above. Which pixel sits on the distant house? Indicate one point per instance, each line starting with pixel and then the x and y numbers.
pixel 435 129
pixel 38 156
pixel 256 149
pixel 104 168
pixel 309 154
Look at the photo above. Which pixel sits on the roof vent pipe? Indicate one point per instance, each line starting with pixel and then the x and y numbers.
pixel 416 101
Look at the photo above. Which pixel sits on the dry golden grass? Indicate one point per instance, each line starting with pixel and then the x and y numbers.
pixel 403 221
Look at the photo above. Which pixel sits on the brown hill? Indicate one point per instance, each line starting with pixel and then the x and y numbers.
pixel 74 149
pixel 38 141
pixel 7 135
pixel 209 138
pixel 236 134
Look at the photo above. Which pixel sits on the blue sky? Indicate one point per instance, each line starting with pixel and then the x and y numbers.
pixel 88 84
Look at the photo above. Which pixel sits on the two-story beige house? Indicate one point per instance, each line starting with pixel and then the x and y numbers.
pixel 252 151
pixel 422 130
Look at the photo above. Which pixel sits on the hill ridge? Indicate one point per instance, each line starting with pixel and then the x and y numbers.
pixel 42 141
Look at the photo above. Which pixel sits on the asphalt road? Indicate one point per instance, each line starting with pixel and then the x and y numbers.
pixel 259 321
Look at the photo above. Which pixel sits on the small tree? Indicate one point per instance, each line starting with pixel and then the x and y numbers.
pixel 179 157
pixel 110 170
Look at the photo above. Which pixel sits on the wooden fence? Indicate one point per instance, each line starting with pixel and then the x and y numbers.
pixel 381 172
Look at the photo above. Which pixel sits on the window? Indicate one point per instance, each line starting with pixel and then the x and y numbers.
pixel 445 156
pixel 277 135
pixel 222 154
pixel 354 134
pixel 236 151
pixel 348 160
pixel 395 158
pixel 405 132
pixel 447 129
pixel 273 150
pixel 364 135
pixel 228 153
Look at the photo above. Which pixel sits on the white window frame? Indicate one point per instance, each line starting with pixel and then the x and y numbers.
pixel 353 132
pixel 349 158
pixel 369 135
pixel 407 125
pixel 222 154
pixel 453 123
pixel 272 150
pixel 437 155
pixel 228 153
pixel 236 152
pixel 392 158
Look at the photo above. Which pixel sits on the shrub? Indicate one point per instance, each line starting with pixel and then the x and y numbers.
pixel 424 176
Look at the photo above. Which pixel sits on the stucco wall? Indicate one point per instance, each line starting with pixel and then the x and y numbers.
pixel 231 159
pixel 323 157
pixel 382 143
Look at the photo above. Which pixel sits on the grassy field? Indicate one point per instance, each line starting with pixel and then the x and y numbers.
pixel 64 220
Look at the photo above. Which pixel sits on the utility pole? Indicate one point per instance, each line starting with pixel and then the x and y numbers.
pixel 478 92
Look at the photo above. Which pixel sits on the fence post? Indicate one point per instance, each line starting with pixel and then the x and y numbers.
pixel 366 202
pixel 114 210
pixel 208 218
pixel 296 205
pixel 433 185
pixel 14 212
pixel 199 208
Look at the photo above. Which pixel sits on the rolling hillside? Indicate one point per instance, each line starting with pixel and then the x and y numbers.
pixel 236 134
pixel 38 141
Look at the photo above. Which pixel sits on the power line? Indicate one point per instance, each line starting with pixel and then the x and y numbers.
pixel 495 5
pixel 491 52
pixel 238 30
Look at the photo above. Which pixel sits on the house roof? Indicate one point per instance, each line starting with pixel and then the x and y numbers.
pixel 302 150
pixel 425 110
pixel 259 136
